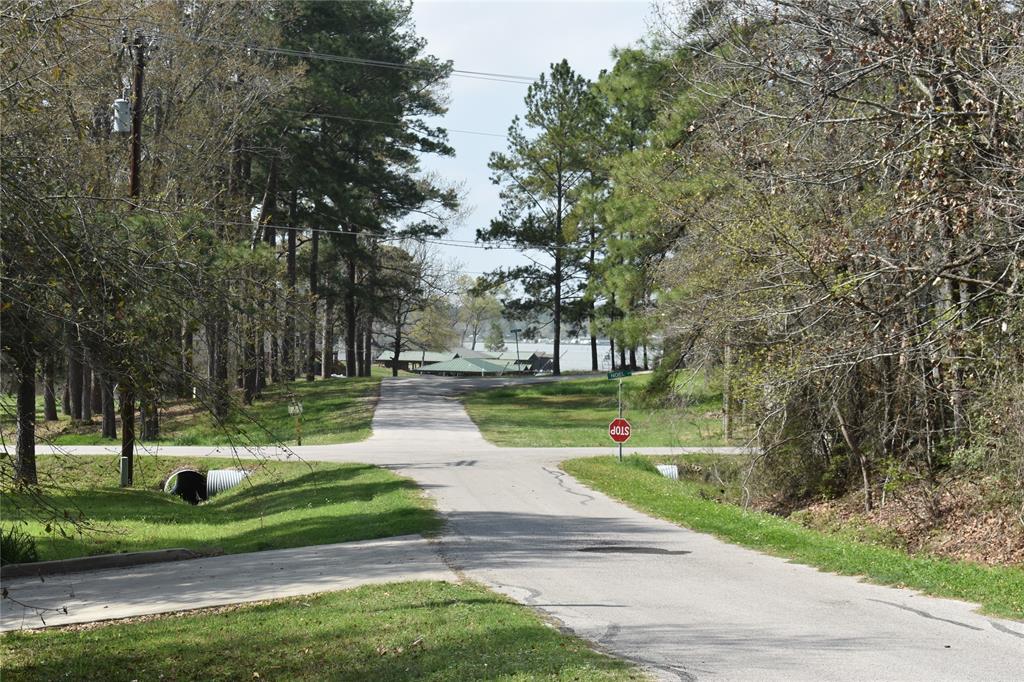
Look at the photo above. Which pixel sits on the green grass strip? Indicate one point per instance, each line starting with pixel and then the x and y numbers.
pixel 284 504
pixel 403 631
pixel 575 413
pixel 999 590
pixel 334 411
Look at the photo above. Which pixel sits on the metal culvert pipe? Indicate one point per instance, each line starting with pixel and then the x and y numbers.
pixel 668 471
pixel 219 480
pixel 188 484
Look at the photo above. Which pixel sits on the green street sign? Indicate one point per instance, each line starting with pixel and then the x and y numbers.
pixel 619 374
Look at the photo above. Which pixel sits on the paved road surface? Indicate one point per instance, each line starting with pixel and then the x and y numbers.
pixel 215 581
pixel 681 603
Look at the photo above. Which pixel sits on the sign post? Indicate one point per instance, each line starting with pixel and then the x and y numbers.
pixel 295 408
pixel 619 429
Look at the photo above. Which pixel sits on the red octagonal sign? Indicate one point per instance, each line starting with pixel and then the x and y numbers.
pixel 619 430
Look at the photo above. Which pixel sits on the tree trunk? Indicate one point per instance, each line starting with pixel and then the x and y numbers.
pixel 187 361
pixel 853 442
pixel 632 357
pixel 217 363
pixel 74 354
pixel 590 306
pixel 86 393
pixel 65 399
pixel 645 357
pixel 97 393
pixel 556 366
pixel 360 358
pixel 150 420
pixel 49 396
pixel 250 369
pixel 274 375
pixel 327 351
pixel 622 356
pixel 261 362
pixel 368 348
pixel 109 426
pixel 288 343
pixel 127 434
pixel 727 392
pixel 314 256
pixel 25 462
pixel 398 346
pixel 350 316
pixel 611 351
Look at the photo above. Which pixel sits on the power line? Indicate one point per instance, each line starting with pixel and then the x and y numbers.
pixel 386 123
pixel 362 61
pixel 322 56
pixel 368 234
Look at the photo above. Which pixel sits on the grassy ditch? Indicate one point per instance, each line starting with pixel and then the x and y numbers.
pixel 334 411
pixel 403 631
pixel 284 504
pixel 999 590
pixel 575 413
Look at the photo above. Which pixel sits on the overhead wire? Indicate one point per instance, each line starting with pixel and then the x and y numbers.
pixel 363 61
pixel 342 117
pixel 321 56
pixel 466 73
pixel 369 234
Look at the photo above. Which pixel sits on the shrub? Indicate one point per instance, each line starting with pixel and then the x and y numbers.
pixel 17 547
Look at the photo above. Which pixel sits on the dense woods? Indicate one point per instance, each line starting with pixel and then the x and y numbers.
pixel 820 202
pixel 199 198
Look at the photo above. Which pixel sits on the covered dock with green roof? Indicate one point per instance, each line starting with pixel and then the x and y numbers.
pixel 458 367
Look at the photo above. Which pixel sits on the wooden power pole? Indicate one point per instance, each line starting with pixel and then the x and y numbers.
pixel 126 389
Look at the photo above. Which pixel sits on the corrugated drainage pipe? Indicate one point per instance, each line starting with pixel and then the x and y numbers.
pixel 668 471
pixel 188 484
pixel 219 480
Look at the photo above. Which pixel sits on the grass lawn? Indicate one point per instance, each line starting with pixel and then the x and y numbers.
pixel 287 504
pixel 400 631
pixel 334 411
pixel 575 413
pixel 1000 590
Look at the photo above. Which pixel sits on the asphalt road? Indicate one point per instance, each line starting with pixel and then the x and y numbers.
pixel 215 581
pixel 683 604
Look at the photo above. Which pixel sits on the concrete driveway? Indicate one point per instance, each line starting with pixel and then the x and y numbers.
pixel 683 604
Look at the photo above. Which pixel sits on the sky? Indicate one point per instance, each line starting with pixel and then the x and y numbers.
pixel 521 38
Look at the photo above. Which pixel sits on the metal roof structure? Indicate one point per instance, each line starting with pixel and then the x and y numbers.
pixel 480 366
pixel 416 356
pixel 470 353
pixel 510 356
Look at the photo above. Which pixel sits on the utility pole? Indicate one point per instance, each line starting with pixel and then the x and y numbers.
pixel 138 70
pixel 126 389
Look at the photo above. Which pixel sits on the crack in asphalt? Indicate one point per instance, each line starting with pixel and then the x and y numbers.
pixel 631 549
pixel 559 477
pixel 1009 631
pixel 925 614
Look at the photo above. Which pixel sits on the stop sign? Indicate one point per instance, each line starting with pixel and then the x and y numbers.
pixel 619 430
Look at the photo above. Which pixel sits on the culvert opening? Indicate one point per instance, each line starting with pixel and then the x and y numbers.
pixel 631 549
pixel 188 484
pixel 194 486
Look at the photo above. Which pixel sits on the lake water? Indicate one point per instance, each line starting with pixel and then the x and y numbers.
pixel 575 356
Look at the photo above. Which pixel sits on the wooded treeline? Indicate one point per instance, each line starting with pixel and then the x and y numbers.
pixel 821 201
pixel 277 181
